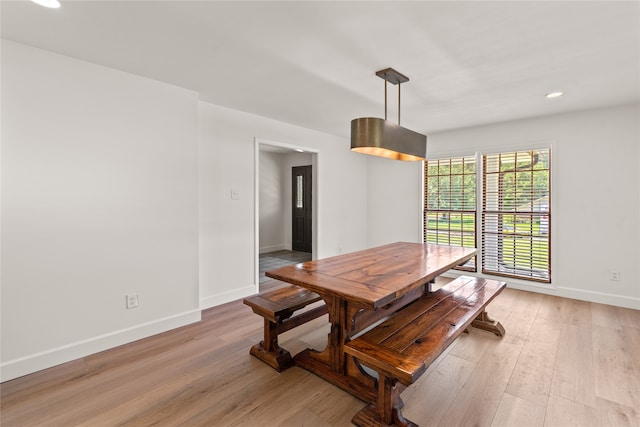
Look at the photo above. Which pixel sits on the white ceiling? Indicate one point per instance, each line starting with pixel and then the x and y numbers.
pixel 313 63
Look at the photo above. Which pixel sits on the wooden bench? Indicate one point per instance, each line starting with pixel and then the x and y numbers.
pixel 402 347
pixel 277 307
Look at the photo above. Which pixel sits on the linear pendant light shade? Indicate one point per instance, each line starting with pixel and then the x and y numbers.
pixel 380 137
pixel 370 135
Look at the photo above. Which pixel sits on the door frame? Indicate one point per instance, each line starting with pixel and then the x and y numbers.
pixel 315 160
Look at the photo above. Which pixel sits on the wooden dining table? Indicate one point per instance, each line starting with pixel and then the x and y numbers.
pixel 360 289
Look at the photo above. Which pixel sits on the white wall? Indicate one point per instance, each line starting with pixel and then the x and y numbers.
pixel 99 198
pixel 394 212
pixel 595 202
pixel 113 183
pixel 227 227
pixel 272 202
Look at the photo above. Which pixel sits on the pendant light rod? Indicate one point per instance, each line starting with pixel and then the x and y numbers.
pixel 385 99
pixel 394 77
pixel 398 104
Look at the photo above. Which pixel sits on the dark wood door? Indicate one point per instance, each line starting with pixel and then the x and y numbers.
pixel 301 235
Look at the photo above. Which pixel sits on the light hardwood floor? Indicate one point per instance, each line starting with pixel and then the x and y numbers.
pixel 562 363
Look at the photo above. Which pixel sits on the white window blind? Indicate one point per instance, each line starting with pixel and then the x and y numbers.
pixel 450 204
pixel 516 215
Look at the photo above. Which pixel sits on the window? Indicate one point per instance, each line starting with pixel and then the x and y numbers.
pixel 514 238
pixel 450 204
pixel 516 215
pixel 299 192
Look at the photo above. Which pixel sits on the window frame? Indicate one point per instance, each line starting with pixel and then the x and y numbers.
pixel 480 238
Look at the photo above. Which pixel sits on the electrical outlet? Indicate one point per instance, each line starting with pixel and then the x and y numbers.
pixel 235 194
pixel 614 275
pixel 132 300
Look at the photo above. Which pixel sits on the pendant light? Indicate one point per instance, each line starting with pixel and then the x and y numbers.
pixel 378 137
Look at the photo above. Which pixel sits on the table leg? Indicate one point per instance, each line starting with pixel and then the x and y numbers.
pixel 332 363
pixel 386 411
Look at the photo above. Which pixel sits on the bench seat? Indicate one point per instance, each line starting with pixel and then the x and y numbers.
pixel 277 307
pixel 402 347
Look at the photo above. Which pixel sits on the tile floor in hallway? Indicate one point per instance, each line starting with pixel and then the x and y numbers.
pixel 272 260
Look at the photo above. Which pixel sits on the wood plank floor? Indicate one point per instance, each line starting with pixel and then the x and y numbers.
pixel 562 363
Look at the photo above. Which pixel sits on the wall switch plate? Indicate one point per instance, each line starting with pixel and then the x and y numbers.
pixel 132 300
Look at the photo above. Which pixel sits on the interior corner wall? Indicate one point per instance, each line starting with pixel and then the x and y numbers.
pixel 394 210
pixel 226 161
pixel 99 199
pixel 595 207
pixel 272 202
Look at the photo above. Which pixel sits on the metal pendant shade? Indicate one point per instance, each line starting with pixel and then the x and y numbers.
pixel 380 137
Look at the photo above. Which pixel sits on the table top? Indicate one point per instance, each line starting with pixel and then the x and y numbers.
pixel 377 276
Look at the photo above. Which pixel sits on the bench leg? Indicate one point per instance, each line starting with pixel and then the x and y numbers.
pixel 386 411
pixel 269 351
pixel 485 323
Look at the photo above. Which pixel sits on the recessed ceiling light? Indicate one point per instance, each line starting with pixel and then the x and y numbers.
pixel 299 150
pixel 53 4
pixel 554 94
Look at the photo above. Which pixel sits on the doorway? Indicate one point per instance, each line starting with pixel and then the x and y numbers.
pixel 276 200
pixel 301 208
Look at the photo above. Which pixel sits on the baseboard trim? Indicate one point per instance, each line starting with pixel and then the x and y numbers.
pixel 225 297
pixel 50 358
pixel 578 294
pixel 564 292
pixel 599 297
pixel 272 248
